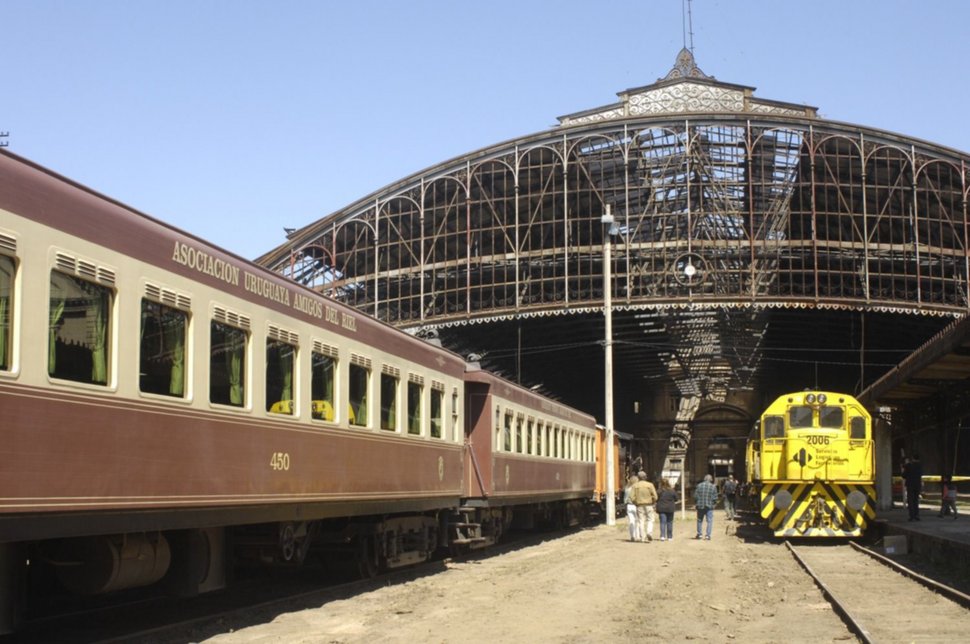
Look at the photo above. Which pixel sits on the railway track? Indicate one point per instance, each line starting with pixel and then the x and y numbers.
pixel 882 601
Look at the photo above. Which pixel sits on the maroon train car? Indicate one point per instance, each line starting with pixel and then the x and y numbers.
pixel 163 400
pixel 529 460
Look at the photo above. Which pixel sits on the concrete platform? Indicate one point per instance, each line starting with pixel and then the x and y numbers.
pixel 944 541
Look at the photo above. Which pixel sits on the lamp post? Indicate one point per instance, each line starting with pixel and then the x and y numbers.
pixel 609 230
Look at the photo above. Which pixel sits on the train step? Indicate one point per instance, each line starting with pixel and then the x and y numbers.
pixel 462 542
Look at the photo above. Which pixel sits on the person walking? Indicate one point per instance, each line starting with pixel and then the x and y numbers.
pixel 644 495
pixel 913 477
pixel 948 497
pixel 730 490
pixel 667 500
pixel 631 509
pixel 705 496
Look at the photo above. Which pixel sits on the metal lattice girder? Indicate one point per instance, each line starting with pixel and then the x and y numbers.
pixel 755 242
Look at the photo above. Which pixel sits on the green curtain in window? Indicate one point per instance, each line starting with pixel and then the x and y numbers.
pixel 99 356
pixel 175 339
pixel 57 311
pixel 234 358
pixel 4 331
pixel 361 417
pixel 286 363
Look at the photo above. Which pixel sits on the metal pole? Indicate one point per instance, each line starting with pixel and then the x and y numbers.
pixel 683 487
pixel 607 220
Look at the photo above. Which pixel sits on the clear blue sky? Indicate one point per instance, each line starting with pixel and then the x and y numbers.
pixel 233 118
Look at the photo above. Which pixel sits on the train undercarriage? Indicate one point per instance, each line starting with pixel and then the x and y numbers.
pixel 44 577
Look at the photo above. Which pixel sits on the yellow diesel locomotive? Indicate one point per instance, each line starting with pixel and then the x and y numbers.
pixel 811 462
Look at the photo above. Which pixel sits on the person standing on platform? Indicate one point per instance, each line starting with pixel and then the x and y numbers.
pixel 631 509
pixel 730 490
pixel 705 496
pixel 913 477
pixel 644 495
pixel 667 500
pixel 948 497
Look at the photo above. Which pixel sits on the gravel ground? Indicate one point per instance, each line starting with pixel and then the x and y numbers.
pixel 592 585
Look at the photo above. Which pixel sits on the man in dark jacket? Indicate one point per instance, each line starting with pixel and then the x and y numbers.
pixel 913 477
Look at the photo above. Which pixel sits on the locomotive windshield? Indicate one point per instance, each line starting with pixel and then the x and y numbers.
pixel 799 417
pixel 831 417
pixel 857 428
pixel 774 427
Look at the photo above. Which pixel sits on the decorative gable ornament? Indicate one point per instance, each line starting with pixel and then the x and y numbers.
pixel 687 90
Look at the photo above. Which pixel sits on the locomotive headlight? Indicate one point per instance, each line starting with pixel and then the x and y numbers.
pixel 821 399
pixel 810 399
pixel 782 499
pixel 856 500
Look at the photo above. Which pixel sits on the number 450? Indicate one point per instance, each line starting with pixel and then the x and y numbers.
pixel 280 461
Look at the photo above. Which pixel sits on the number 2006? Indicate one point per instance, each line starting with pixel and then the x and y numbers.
pixel 818 440
pixel 280 462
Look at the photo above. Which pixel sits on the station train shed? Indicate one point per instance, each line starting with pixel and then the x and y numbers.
pixel 757 249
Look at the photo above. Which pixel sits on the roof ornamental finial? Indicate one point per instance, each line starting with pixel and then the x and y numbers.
pixel 688 25
pixel 685 67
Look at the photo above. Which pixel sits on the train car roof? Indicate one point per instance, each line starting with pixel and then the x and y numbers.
pixel 30 190
pixel 523 396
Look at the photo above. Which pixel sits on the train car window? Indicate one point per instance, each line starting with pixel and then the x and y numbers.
pixel 548 444
pixel 357 395
pixel 555 442
pixel 415 393
pixel 280 364
pixel 507 433
pixel 857 428
pixel 498 429
pixel 80 329
pixel 519 443
pixel 455 415
pixel 800 417
pixel 389 389
pixel 227 365
pixel 529 435
pixel 161 361
pixel 7 268
pixel 831 417
pixel 774 427
pixel 323 375
pixel 437 412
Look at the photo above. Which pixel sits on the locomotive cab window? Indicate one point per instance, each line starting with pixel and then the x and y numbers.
pixel 280 361
pixel 857 428
pixel 161 360
pixel 800 417
pixel 227 365
pixel 80 329
pixel 831 417
pixel 7 268
pixel 774 427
